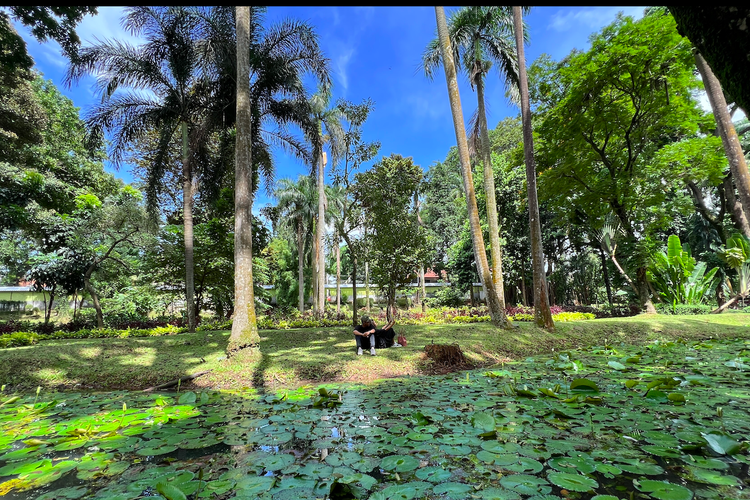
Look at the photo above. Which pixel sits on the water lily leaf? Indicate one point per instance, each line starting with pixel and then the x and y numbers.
pixel 583 385
pixel 616 365
pixel 721 443
pixel 158 450
pixel 494 493
pixel 526 465
pixel 452 490
pixel 574 482
pixel 525 484
pixel 399 463
pixel 170 491
pixel 277 462
pixel 400 492
pixel 455 450
pixel 708 463
pixel 604 497
pixel 663 490
pixel 711 477
pixel 483 421
pixel 433 474
pixel 70 493
pixel 644 468
pixel 676 397
pixel 187 398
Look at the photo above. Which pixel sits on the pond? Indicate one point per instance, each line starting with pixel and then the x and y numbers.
pixel 667 421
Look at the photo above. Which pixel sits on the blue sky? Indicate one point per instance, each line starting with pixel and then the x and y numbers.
pixel 374 52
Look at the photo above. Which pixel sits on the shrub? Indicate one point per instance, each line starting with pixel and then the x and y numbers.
pixel 572 316
pixel 684 309
pixel 446 297
pixel 18 339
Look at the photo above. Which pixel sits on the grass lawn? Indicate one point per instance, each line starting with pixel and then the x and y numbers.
pixel 290 358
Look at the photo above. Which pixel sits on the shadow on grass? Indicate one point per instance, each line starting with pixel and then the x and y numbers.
pixel 290 358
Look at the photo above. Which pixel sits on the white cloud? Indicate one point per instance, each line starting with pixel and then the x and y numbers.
pixel 341 61
pixel 589 19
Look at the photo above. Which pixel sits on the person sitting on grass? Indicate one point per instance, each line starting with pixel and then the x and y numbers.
pixel 367 334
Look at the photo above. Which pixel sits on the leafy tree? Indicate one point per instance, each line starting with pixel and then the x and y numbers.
pixel 398 245
pixel 55 22
pixel 619 103
pixel 348 216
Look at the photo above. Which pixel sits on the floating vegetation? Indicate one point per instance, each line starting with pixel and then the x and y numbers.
pixel 667 421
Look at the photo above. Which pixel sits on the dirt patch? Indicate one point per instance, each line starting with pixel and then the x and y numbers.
pixel 445 358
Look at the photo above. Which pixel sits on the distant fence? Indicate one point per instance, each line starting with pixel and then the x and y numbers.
pixel 7 306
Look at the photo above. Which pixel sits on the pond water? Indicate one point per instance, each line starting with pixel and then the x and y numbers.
pixel 666 421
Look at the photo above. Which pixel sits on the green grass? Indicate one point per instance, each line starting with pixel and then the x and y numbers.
pixel 290 358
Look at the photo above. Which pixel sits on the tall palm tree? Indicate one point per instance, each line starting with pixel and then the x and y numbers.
pixel 327 119
pixel 244 325
pixel 481 36
pixel 151 87
pixel 542 312
pixel 497 313
pixel 298 203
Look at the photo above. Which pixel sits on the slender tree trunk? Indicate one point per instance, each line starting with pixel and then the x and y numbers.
pixel 496 251
pixel 320 233
pixel 95 300
pixel 75 304
pixel 355 321
pixel 300 266
pixel 314 267
pixel 605 272
pixel 338 276
pixel 542 312
pixel 497 312
pixel 367 286
pixel 735 207
pixel 244 325
pixel 424 290
pixel 187 210
pixel 732 147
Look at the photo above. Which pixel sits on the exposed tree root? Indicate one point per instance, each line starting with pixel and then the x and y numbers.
pixel 447 358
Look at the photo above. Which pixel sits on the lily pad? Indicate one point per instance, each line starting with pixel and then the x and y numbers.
pixel 574 482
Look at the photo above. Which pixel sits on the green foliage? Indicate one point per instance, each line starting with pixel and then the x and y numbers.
pixel 18 339
pixel 446 297
pixel 677 277
pixel 684 309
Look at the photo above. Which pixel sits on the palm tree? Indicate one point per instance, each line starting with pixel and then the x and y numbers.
pixel 157 84
pixel 244 325
pixel 542 312
pixel 329 118
pixel 298 203
pixel 481 36
pixel 497 313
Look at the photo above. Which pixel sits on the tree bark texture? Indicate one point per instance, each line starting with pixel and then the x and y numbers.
pixel 732 147
pixel 320 264
pixel 244 326
pixel 187 212
pixel 496 251
pixel 300 266
pixel 542 312
pixel 497 312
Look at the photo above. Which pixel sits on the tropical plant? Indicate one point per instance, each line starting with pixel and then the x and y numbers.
pixel 298 202
pixel 677 277
pixel 328 118
pixel 153 86
pixel 736 253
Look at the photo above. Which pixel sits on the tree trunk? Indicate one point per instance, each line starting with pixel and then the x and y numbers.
pixel 542 312
pixel 732 147
pixel 424 289
pixel 355 321
pixel 496 251
pixel 94 296
pixel 735 207
pixel 300 266
pixel 643 292
pixel 187 212
pixel 497 312
pixel 605 273
pixel 320 264
pixel 338 277
pixel 314 266
pixel 367 286
pixel 244 325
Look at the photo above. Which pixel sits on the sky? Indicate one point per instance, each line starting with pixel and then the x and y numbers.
pixel 375 53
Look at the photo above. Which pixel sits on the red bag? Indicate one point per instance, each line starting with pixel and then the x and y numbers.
pixel 402 340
